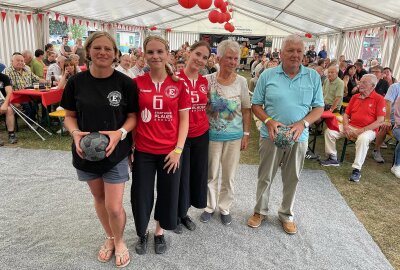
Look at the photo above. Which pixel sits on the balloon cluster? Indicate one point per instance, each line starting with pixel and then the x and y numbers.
pixel 308 35
pixel 215 16
pixel 153 28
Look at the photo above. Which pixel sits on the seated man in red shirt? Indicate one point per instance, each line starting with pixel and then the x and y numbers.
pixel 363 116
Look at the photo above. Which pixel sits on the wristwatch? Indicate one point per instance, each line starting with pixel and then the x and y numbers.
pixel 124 132
pixel 306 124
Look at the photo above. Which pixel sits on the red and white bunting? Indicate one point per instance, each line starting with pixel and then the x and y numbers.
pixel 73 21
pixel 29 18
pixel 3 15
pixel 57 16
pixel 17 17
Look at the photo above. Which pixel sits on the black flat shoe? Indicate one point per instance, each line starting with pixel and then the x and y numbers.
pixel 141 245
pixel 188 223
pixel 160 246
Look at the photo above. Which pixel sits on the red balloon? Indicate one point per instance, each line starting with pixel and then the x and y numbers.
pixel 218 3
pixel 232 29
pixel 231 10
pixel 223 8
pixel 204 4
pixel 221 18
pixel 227 16
pixel 187 3
pixel 227 26
pixel 214 16
pixel 153 28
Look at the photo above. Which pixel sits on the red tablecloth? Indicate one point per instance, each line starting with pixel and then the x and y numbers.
pixel 47 97
pixel 330 120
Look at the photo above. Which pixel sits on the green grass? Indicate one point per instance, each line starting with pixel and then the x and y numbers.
pixel 375 200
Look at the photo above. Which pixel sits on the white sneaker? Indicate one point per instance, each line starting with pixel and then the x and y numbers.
pixel 396 171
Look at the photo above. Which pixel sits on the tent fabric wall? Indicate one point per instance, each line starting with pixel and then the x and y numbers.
pixel 352 45
pixel 386 37
pixel 16 37
pixel 277 42
pixel 176 39
pixel 332 45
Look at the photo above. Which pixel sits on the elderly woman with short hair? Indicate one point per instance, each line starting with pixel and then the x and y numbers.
pixel 229 118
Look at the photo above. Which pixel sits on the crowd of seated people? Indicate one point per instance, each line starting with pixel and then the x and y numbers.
pixel 341 80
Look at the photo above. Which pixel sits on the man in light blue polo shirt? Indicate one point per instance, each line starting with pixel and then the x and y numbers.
pixel 289 95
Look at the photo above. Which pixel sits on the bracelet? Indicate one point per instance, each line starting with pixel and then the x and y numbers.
pixel 266 120
pixel 72 132
pixel 246 133
pixel 178 150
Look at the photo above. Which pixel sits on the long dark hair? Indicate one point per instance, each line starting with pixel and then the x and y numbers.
pixel 346 72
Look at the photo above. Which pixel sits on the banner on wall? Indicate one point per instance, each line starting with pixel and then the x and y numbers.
pixel 215 39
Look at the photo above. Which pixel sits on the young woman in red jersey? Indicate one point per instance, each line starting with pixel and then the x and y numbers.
pixel 164 105
pixel 193 185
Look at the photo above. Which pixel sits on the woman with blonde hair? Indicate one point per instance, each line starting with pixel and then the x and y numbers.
pixel 103 100
pixel 164 105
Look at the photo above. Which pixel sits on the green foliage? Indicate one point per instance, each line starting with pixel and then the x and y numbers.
pixel 78 31
pixel 57 28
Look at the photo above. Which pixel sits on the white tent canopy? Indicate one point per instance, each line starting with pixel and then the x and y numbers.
pixel 342 23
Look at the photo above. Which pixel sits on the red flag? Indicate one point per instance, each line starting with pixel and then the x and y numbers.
pixel 40 16
pixel 384 37
pixel 73 21
pixel 359 33
pixel 365 32
pixel 57 15
pixel 66 19
pixel 3 15
pixel 94 24
pixel 355 33
pixel 17 17
pixel 109 26
pixel 117 25
pixel 349 34
pixel 29 17
pixel 87 23
pixel 80 22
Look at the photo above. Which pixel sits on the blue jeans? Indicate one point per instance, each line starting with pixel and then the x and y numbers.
pixel 396 133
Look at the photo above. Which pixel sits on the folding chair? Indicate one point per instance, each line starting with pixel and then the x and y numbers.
pixel 24 117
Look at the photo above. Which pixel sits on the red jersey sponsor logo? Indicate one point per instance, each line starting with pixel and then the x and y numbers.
pixel 146 115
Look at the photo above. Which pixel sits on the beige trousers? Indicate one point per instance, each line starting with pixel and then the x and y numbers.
pixel 362 144
pixel 224 155
pixel 291 162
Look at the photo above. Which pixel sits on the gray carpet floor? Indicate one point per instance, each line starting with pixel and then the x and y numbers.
pixel 47 221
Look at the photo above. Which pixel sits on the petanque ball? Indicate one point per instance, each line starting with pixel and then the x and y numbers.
pixel 284 138
pixel 94 146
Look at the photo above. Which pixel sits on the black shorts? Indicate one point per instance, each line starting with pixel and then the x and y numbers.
pixel 243 61
pixel 145 167
pixel 193 184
